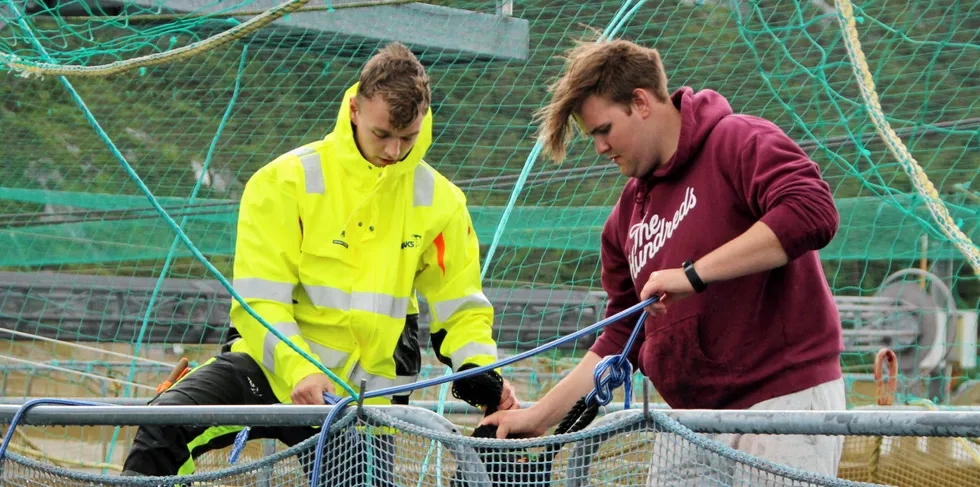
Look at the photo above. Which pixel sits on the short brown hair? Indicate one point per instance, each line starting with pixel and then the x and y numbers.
pixel 609 69
pixel 398 76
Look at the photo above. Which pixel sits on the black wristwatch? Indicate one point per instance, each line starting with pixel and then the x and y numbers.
pixel 692 275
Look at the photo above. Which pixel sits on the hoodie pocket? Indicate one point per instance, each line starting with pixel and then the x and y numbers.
pixel 680 370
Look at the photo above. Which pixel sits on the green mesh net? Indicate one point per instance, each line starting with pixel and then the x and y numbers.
pixel 196 98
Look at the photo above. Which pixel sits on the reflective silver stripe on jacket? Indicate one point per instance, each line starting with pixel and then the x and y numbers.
pixel 329 357
pixel 376 382
pixel 288 329
pixel 382 304
pixel 256 288
pixel 312 169
pixel 445 309
pixel 471 350
pixel 425 184
pixel 327 297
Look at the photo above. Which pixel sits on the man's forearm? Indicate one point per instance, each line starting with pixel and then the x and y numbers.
pixel 756 250
pixel 559 401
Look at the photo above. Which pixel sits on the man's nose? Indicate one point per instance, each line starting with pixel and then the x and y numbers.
pixel 393 149
pixel 601 146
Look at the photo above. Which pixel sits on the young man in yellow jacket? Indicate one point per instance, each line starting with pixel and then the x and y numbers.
pixel 334 239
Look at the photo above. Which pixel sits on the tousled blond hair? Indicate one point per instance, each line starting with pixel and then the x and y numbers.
pixel 608 69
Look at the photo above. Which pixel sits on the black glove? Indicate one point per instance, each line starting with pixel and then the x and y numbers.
pixel 480 390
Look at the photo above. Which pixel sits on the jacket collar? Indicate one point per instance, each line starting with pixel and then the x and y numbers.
pixel 351 158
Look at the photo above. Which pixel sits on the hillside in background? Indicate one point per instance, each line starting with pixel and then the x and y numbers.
pixel 781 60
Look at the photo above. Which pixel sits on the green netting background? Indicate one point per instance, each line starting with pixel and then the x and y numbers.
pixel 67 207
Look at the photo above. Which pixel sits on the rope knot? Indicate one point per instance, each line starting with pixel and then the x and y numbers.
pixel 612 372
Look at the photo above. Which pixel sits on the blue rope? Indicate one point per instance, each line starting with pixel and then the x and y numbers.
pixel 396 390
pixel 27 406
pixel 619 371
pixel 402 389
pixel 240 440
pixel 242 435
pixel 321 442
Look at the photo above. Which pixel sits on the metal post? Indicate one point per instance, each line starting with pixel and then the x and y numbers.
pixel 265 475
pixel 360 400
pixel 505 7
pixel 646 398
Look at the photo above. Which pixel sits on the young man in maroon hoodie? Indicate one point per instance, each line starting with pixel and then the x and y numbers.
pixel 721 217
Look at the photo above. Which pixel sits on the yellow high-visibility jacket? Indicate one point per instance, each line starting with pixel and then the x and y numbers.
pixel 331 251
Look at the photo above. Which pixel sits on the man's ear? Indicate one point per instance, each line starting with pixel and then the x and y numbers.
pixel 642 102
pixel 353 110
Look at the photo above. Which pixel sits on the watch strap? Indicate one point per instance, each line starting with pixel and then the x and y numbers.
pixel 692 275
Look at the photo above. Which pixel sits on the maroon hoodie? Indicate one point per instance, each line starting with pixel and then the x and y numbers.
pixel 744 340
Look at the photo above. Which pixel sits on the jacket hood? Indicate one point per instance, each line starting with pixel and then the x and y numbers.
pixel 700 112
pixel 343 136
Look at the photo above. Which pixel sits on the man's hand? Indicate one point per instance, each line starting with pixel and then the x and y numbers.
pixel 519 422
pixel 508 399
pixel 670 284
pixel 310 390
